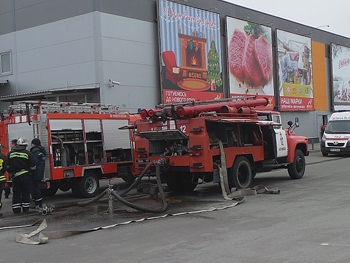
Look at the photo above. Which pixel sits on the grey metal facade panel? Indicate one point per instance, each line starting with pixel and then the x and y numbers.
pixel 145 10
pixel 6 6
pixel 31 13
pixel 62 32
pixel 6 22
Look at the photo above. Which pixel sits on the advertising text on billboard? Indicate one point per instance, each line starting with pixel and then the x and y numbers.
pixel 190 53
pixel 294 72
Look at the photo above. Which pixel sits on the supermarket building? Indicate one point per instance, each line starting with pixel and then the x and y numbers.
pixel 139 53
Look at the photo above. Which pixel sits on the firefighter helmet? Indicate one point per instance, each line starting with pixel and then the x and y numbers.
pixel 22 142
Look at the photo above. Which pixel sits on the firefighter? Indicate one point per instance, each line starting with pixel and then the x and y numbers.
pixel 21 163
pixel 3 167
pixel 39 153
pixel 7 190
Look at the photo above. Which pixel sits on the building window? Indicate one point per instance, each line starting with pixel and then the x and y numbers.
pixel 5 65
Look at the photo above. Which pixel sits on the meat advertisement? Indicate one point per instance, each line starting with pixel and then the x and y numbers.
pixel 190 53
pixel 340 77
pixel 294 72
pixel 250 61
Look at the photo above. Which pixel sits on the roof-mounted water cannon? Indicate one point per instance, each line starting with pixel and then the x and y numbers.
pixel 144 113
pixel 228 109
pixel 151 113
pixel 246 110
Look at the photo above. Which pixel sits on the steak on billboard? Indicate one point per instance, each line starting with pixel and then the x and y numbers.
pixel 250 59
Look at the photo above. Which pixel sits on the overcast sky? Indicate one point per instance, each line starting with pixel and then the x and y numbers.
pixel 314 13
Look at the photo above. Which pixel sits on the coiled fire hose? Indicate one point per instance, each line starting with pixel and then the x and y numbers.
pixel 120 198
pixel 238 194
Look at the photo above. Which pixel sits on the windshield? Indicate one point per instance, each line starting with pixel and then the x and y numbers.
pixel 338 127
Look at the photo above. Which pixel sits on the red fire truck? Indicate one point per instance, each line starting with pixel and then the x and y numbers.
pixel 83 142
pixel 200 139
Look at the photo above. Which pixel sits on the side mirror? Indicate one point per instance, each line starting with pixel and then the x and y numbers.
pixel 296 122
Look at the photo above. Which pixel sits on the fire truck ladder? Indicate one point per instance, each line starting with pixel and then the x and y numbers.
pixel 42 107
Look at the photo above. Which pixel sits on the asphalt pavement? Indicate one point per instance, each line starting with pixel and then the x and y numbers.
pixel 306 222
pixel 66 199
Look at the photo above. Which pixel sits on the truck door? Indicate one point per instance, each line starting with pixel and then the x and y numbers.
pixel 281 137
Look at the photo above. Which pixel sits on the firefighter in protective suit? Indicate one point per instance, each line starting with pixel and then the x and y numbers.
pixel 3 167
pixel 21 163
pixel 39 153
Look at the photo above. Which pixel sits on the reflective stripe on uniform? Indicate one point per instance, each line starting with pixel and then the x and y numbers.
pixel 25 205
pixel 2 178
pixel 18 205
pixel 19 155
pixel 1 164
pixel 20 173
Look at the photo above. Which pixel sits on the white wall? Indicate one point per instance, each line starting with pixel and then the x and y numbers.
pixel 87 49
pixel 52 55
pixel 130 56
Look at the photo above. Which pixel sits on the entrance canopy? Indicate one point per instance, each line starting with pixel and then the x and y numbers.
pixel 45 94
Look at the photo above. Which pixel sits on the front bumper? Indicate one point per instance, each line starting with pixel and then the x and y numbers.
pixel 335 150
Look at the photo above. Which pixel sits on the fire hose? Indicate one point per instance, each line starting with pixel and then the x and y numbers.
pixel 238 194
pixel 120 198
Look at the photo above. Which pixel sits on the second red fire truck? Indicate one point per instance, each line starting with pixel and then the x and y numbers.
pixel 83 142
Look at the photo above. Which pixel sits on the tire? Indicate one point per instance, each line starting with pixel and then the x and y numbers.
pixel 64 186
pixel 240 175
pixel 87 186
pixel 324 154
pixel 130 178
pixel 50 191
pixel 296 169
pixel 253 173
pixel 183 183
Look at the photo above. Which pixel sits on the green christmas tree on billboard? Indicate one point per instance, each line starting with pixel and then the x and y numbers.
pixel 214 75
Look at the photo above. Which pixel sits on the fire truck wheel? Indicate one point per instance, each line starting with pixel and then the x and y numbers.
pixel 253 173
pixel 324 154
pixel 50 191
pixel 64 186
pixel 297 168
pixel 87 186
pixel 183 183
pixel 241 173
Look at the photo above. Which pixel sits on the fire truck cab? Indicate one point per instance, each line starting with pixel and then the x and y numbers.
pixel 83 142
pixel 200 139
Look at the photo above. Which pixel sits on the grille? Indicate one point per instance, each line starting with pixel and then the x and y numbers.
pixel 341 144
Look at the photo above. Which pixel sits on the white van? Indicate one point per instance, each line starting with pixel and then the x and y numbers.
pixel 336 136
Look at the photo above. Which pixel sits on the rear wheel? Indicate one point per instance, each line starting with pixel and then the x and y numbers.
pixel 64 186
pixel 240 175
pixel 50 191
pixel 87 186
pixel 296 169
pixel 184 182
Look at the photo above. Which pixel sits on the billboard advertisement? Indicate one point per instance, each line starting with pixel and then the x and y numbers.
pixel 250 62
pixel 340 77
pixel 294 72
pixel 190 53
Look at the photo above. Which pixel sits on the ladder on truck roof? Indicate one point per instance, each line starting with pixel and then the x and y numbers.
pixel 42 107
